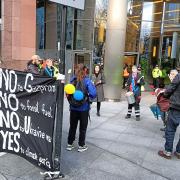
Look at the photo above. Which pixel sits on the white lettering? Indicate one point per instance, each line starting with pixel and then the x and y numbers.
pixel 27 87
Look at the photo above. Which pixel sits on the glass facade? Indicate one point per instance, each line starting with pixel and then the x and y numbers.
pixel 152 33
pixel 46 28
pixel 157 27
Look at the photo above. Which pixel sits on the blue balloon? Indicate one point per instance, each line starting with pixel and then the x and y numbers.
pixel 78 95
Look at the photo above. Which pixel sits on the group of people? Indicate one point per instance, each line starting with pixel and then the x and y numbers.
pixel 42 67
pixel 93 86
pixel 94 90
pixel 170 94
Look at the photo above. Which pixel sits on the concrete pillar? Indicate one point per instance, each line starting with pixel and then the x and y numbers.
pixel 114 48
pixel 18 33
pixel 174 45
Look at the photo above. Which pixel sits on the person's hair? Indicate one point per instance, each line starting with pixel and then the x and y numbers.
pixel 99 68
pixel 80 72
pixel 178 69
pixel 174 71
pixel 134 66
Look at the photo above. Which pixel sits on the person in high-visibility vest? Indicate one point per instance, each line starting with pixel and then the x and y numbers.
pixel 156 74
pixel 125 75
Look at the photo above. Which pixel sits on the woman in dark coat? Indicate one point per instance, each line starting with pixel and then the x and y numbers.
pixel 99 80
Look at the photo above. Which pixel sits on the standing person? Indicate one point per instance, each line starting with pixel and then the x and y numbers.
pixel 80 113
pixel 134 83
pixel 173 92
pixel 99 80
pixel 156 74
pixel 50 70
pixel 32 65
pixel 125 75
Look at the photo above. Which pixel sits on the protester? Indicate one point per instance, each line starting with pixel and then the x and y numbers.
pixel 156 74
pixel 98 80
pixel 134 83
pixel 50 70
pixel 32 65
pixel 80 113
pixel 125 75
pixel 172 92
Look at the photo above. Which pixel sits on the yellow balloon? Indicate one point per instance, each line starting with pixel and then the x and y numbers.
pixel 69 89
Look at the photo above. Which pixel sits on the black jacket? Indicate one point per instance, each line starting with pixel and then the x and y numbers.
pixel 173 92
pixel 32 68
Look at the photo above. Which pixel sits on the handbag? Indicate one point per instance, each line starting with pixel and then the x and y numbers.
pixel 142 88
pixel 156 111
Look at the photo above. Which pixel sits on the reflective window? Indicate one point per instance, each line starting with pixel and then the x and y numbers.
pixel 46 25
pixel 153 30
pixel 40 25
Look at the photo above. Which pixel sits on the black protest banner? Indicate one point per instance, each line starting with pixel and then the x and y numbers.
pixel 27 116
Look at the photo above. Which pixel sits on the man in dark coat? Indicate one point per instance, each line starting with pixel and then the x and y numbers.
pixel 173 92
pixel 32 65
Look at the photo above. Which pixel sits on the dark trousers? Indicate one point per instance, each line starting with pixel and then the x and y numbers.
pixel 172 124
pixel 124 81
pixel 156 82
pixel 136 107
pixel 76 116
pixel 98 106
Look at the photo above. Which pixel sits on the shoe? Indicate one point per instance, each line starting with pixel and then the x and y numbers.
pixel 98 114
pixel 138 118
pixel 69 147
pixel 82 148
pixel 127 116
pixel 165 154
pixel 177 155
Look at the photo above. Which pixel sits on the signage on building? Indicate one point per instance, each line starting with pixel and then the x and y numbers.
pixel 79 4
pixel 27 116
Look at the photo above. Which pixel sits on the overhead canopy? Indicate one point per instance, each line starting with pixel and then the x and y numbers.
pixel 79 4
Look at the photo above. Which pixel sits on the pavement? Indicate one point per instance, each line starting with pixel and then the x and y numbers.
pixel 119 149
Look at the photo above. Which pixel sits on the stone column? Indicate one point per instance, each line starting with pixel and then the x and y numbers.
pixel 18 33
pixel 114 48
pixel 174 45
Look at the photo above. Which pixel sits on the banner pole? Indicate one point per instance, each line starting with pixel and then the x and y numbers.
pixel 60 96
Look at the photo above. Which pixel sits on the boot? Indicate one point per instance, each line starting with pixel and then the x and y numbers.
pixel 138 118
pixel 127 116
pixel 98 113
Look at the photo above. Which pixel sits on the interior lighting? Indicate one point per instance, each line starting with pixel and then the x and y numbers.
pixel 169 51
pixel 154 51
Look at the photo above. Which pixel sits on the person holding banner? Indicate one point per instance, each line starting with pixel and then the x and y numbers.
pixel 49 69
pixel 52 71
pixel 32 65
pixel 80 113
pixel 134 83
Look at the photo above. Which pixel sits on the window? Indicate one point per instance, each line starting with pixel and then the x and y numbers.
pixel 40 26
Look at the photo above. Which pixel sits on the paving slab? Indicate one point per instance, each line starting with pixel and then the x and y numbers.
pixel 119 149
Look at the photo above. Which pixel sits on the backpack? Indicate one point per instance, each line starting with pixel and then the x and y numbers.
pixel 81 87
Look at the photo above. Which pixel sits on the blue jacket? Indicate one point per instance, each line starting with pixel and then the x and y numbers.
pixel 91 89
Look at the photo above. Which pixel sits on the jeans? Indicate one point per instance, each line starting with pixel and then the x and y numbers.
pixel 172 124
pixel 76 116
